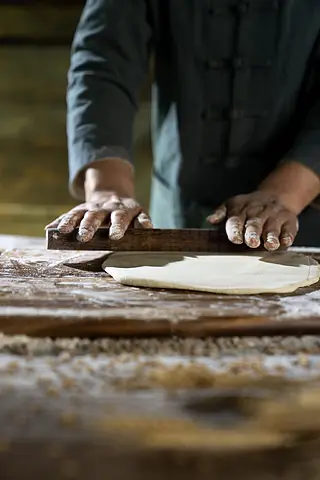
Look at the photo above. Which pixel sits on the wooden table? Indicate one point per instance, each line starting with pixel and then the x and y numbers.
pixel 54 414
pixel 52 293
pixel 52 407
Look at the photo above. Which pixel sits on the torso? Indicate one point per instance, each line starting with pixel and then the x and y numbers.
pixel 233 82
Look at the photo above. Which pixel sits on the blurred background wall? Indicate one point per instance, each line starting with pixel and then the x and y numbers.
pixel 35 39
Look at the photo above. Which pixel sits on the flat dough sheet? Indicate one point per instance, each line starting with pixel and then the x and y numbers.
pixel 263 272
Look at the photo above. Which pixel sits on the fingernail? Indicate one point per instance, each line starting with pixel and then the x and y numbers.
pixel 216 217
pixel 85 234
pixel 252 239
pixel 236 237
pixel 116 232
pixel 65 228
pixel 287 240
pixel 272 242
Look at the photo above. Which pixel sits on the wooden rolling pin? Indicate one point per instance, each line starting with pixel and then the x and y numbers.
pixel 149 240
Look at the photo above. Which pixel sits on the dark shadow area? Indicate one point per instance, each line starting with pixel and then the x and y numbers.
pixel 281 258
pixel 91 265
pixel 136 260
pixel 225 408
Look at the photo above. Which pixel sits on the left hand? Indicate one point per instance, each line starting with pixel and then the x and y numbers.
pixel 258 216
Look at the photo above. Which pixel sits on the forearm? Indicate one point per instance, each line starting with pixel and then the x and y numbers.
pixel 110 175
pixel 109 60
pixel 294 184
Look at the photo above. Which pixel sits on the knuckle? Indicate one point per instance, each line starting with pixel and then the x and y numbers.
pixel 84 229
pixel 274 224
pixel 131 203
pixel 119 214
pixel 114 198
pixel 94 210
pixel 89 223
pixel 255 222
pixel 272 234
pixel 239 199
pixel 79 208
pixel 67 218
pixel 112 206
pixel 234 221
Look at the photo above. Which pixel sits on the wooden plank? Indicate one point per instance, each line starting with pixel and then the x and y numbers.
pixel 61 416
pixel 27 219
pixel 58 294
pixel 33 125
pixel 38 457
pixel 150 240
pixel 30 75
pixel 34 175
pixel 43 124
pixel 39 175
pixel 39 22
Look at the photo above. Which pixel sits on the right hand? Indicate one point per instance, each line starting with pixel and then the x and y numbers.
pixel 107 208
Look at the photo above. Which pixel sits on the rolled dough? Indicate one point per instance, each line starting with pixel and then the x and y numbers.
pixel 263 272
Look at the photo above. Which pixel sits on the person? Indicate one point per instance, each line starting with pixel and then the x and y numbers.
pixel 235 117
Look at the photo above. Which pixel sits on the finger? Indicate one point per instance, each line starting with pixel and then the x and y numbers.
pixel 253 231
pixel 92 220
pixel 143 221
pixel 54 223
pixel 271 233
pixel 120 221
pixel 288 232
pixel 218 215
pixel 70 221
pixel 234 228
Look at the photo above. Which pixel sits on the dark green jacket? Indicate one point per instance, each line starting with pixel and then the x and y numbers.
pixel 237 90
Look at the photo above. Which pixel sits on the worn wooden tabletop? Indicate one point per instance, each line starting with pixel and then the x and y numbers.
pixel 55 409
pixel 78 418
pixel 52 293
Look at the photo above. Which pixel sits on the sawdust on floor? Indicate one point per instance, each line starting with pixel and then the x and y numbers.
pixel 209 347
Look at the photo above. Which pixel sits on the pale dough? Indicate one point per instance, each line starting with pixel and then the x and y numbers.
pixel 251 273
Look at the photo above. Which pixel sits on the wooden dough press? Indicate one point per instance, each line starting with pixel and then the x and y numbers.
pixel 149 240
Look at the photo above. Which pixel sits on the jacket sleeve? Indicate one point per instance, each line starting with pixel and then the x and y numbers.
pixel 306 147
pixel 109 59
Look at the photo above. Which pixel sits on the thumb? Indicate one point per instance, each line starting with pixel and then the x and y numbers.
pixel 218 215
